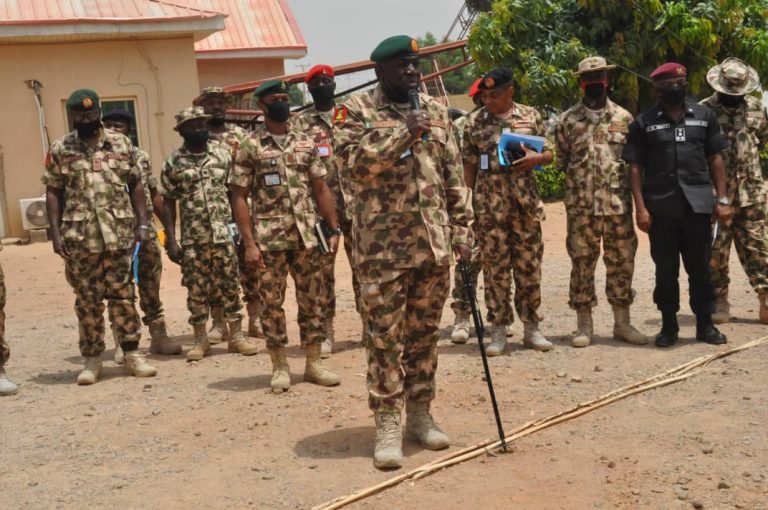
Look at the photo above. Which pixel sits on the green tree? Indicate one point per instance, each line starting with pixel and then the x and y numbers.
pixel 295 94
pixel 455 82
pixel 543 41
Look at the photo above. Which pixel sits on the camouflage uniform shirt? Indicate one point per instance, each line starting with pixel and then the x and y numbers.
pixel 410 201
pixel 149 182
pixel 589 154
pixel 278 175
pixel 497 186
pixel 232 137
pixel 746 129
pixel 97 214
pixel 198 183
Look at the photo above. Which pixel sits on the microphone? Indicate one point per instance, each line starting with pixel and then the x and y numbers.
pixel 413 99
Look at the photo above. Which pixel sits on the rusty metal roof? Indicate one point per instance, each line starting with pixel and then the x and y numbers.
pixel 36 12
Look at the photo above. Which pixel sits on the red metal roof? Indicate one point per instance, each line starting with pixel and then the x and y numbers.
pixel 253 25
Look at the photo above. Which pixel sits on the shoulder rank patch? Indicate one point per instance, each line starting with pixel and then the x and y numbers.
pixel 340 114
pixel 384 124
pixel 618 127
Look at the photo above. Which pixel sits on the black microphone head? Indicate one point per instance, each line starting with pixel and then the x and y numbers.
pixel 413 99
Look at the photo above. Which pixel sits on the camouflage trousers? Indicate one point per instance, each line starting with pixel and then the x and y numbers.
pixel 404 307
pixel 460 302
pixel 150 274
pixel 207 270
pixel 619 241
pixel 511 250
pixel 249 282
pixel 95 277
pixel 749 232
pixel 328 266
pixel 5 351
pixel 304 268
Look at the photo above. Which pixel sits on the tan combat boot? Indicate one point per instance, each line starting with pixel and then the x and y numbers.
pixel 160 343
pixel 509 330
pixel 763 308
pixel 281 371
pixel 218 331
pixel 460 333
pixel 498 340
pixel 419 425
pixel 7 387
pixel 584 329
pixel 91 371
pixel 533 338
pixel 722 309
pixel 237 341
pixel 315 372
pixel 326 348
pixel 388 453
pixel 137 366
pixel 623 330
pixel 202 345
pixel 254 321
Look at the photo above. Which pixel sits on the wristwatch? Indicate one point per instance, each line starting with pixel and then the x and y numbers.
pixel 336 231
pixel 723 201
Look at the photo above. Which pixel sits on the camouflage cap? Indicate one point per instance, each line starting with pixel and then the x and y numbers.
pixel 271 87
pixel 190 113
pixel 83 100
pixel 211 92
pixel 733 77
pixel 395 46
pixel 592 65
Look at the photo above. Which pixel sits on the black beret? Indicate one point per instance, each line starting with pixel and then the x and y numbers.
pixel 496 78
pixel 118 114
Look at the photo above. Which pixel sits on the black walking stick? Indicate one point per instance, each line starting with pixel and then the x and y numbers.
pixel 480 331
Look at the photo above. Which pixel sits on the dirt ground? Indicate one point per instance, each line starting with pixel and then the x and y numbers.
pixel 209 435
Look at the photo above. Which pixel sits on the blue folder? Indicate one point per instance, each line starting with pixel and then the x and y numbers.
pixel 532 142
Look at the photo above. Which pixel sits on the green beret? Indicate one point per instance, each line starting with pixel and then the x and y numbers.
pixel 83 100
pixel 271 87
pixel 395 46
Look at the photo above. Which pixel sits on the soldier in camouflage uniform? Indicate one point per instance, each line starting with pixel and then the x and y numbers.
pixel 508 209
pixel 214 102
pixel 743 122
pixel 317 123
pixel 411 212
pixel 195 176
pixel 7 387
pixel 589 138
pixel 93 193
pixel 150 255
pixel 281 169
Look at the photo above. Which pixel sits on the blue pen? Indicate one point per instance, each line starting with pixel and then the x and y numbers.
pixel 135 260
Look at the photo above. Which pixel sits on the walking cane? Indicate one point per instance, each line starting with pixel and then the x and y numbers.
pixel 480 331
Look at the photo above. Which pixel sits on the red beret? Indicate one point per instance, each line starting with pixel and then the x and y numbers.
pixel 669 70
pixel 319 69
pixel 474 89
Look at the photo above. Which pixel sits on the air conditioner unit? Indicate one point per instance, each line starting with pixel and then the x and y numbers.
pixel 33 213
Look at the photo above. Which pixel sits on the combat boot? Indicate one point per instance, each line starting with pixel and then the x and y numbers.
pixel 237 341
pixel 667 337
pixel 7 387
pixel 584 328
pixel 763 308
pixel 160 343
pixel 202 345
pixel 388 453
pixel 707 332
pixel 254 321
pixel 326 348
pixel 460 333
pixel 315 372
pixel 218 331
pixel 281 371
pixel 533 338
pixel 510 331
pixel 137 366
pixel 623 329
pixel 722 309
pixel 419 425
pixel 119 354
pixel 498 340
pixel 91 371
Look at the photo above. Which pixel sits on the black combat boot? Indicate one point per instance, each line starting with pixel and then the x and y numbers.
pixel 707 332
pixel 669 328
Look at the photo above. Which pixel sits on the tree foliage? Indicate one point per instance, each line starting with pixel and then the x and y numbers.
pixel 456 82
pixel 543 41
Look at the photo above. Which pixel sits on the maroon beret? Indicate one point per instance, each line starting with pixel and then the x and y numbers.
pixel 669 70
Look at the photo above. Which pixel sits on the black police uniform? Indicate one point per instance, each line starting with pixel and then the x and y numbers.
pixel 679 195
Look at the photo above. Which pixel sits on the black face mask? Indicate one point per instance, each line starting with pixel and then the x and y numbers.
pixel 195 138
pixel 323 94
pixel 673 96
pixel 87 129
pixel 279 111
pixel 594 91
pixel 730 101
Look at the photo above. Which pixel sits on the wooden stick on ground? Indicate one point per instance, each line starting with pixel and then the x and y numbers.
pixel 668 377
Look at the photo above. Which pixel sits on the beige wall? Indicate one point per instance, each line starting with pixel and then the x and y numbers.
pixel 225 72
pixel 161 75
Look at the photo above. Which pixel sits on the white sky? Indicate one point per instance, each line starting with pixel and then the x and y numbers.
pixel 344 31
